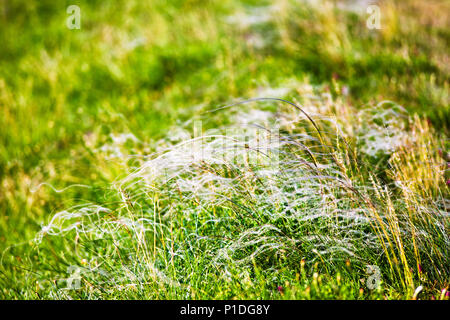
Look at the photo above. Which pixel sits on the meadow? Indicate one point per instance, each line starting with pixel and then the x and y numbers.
pixel 224 150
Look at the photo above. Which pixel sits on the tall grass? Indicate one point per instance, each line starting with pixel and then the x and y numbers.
pixel 269 191
pixel 259 201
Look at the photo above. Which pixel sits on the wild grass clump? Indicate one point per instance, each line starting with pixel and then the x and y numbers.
pixel 257 199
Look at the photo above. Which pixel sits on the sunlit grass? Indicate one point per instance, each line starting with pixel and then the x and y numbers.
pixel 84 108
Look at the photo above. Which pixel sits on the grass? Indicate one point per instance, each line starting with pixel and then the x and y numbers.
pixel 101 184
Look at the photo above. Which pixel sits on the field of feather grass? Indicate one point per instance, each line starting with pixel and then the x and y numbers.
pixel 224 150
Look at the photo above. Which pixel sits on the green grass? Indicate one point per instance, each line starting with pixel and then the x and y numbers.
pixel 147 67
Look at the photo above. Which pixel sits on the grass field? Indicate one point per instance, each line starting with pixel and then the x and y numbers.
pixel 122 177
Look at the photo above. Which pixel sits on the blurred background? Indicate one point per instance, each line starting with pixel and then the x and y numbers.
pixel 139 67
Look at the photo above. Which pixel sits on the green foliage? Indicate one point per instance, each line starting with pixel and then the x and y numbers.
pixel 142 67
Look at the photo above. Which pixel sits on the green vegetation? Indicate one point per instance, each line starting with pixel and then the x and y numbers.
pixel 89 125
